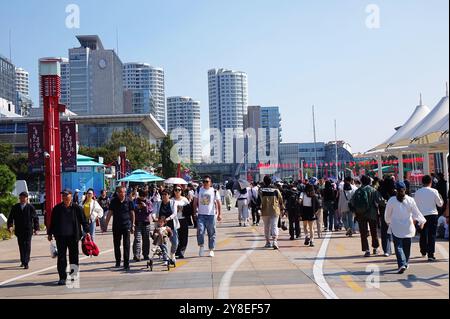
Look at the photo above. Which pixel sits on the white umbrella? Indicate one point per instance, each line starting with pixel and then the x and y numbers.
pixel 175 181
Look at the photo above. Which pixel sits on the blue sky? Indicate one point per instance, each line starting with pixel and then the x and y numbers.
pixel 296 53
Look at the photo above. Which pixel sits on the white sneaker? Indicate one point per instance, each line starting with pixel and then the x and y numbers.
pixel 201 251
pixel 172 257
pixel 211 253
pixel 275 245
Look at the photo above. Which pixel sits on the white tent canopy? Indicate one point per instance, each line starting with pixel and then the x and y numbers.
pixel 405 131
pixel 424 127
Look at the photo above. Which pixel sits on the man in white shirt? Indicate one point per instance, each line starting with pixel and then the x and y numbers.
pixel 428 199
pixel 207 205
pixel 401 211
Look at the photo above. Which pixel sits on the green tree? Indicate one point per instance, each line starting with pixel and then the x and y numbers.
pixel 7 180
pixel 169 168
pixel 6 152
pixel 7 183
pixel 140 152
pixel 95 152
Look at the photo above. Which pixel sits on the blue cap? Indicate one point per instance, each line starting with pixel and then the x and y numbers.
pixel 400 185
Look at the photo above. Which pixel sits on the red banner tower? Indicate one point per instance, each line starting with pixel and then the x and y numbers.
pixel 50 92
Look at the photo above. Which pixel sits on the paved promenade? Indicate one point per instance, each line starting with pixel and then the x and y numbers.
pixel 241 269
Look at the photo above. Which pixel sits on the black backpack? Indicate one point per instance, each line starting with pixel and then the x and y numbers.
pixel 292 203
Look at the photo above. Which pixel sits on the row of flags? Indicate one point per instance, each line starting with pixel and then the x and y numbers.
pixel 339 164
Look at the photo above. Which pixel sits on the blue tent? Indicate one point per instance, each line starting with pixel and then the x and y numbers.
pixel 141 176
pixel 89 174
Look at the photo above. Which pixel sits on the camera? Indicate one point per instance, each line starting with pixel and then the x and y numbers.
pixel 46 155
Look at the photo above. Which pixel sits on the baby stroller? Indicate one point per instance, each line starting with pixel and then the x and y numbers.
pixel 160 238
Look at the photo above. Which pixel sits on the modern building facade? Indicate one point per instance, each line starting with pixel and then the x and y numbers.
pixel 184 112
pixel 22 81
pixel 146 84
pixel 96 85
pixel 228 103
pixel 23 104
pixel 93 130
pixel 7 85
pixel 294 155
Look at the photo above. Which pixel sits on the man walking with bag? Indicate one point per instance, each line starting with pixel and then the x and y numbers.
pixel 66 225
pixel 23 216
pixel 365 203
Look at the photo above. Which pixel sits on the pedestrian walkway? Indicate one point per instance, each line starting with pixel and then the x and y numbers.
pixel 241 269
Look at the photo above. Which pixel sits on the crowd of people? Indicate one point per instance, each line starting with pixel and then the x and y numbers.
pixel 165 215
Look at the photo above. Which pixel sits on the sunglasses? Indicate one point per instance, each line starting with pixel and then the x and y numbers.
pixel 206 181
pixel 178 190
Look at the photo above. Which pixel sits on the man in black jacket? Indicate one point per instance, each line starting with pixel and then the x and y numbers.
pixel 25 219
pixel 65 225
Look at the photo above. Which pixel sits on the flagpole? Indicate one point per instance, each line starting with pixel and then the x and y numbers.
pixel 335 138
pixel 315 142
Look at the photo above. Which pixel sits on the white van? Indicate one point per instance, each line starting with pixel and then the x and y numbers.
pixel 21 186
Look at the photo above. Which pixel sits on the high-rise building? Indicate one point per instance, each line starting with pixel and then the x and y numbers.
pixel 96 85
pixel 65 80
pixel 23 101
pixel 184 112
pixel 146 84
pixel 228 103
pixel 22 81
pixel 271 119
pixel 7 85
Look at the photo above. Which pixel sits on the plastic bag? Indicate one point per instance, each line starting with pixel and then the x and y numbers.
pixel 284 224
pixel 53 249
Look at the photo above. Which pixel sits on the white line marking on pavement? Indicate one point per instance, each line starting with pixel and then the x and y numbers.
pixel 442 251
pixel 318 270
pixel 224 287
pixel 44 270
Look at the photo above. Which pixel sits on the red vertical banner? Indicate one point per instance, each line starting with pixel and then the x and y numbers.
pixel 36 147
pixel 69 146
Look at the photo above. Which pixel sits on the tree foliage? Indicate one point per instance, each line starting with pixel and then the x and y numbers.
pixel 169 168
pixel 140 152
pixel 7 180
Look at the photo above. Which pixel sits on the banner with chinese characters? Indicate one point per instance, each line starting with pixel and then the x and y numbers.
pixel 68 146
pixel 36 147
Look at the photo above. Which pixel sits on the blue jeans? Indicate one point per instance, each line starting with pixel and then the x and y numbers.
pixel 174 241
pixel 402 250
pixel 348 221
pixel 92 227
pixel 386 239
pixel 206 223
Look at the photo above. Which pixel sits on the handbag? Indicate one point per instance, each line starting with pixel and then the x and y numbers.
pixel 283 224
pixel 89 247
pixel 53 250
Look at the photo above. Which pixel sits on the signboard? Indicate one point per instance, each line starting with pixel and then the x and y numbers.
pixel 36 147
pixel 68 146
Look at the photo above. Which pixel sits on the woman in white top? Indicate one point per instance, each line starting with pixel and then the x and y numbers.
pixel 401 212
pixel 309 207
pixel 184 212
pixel 92 211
